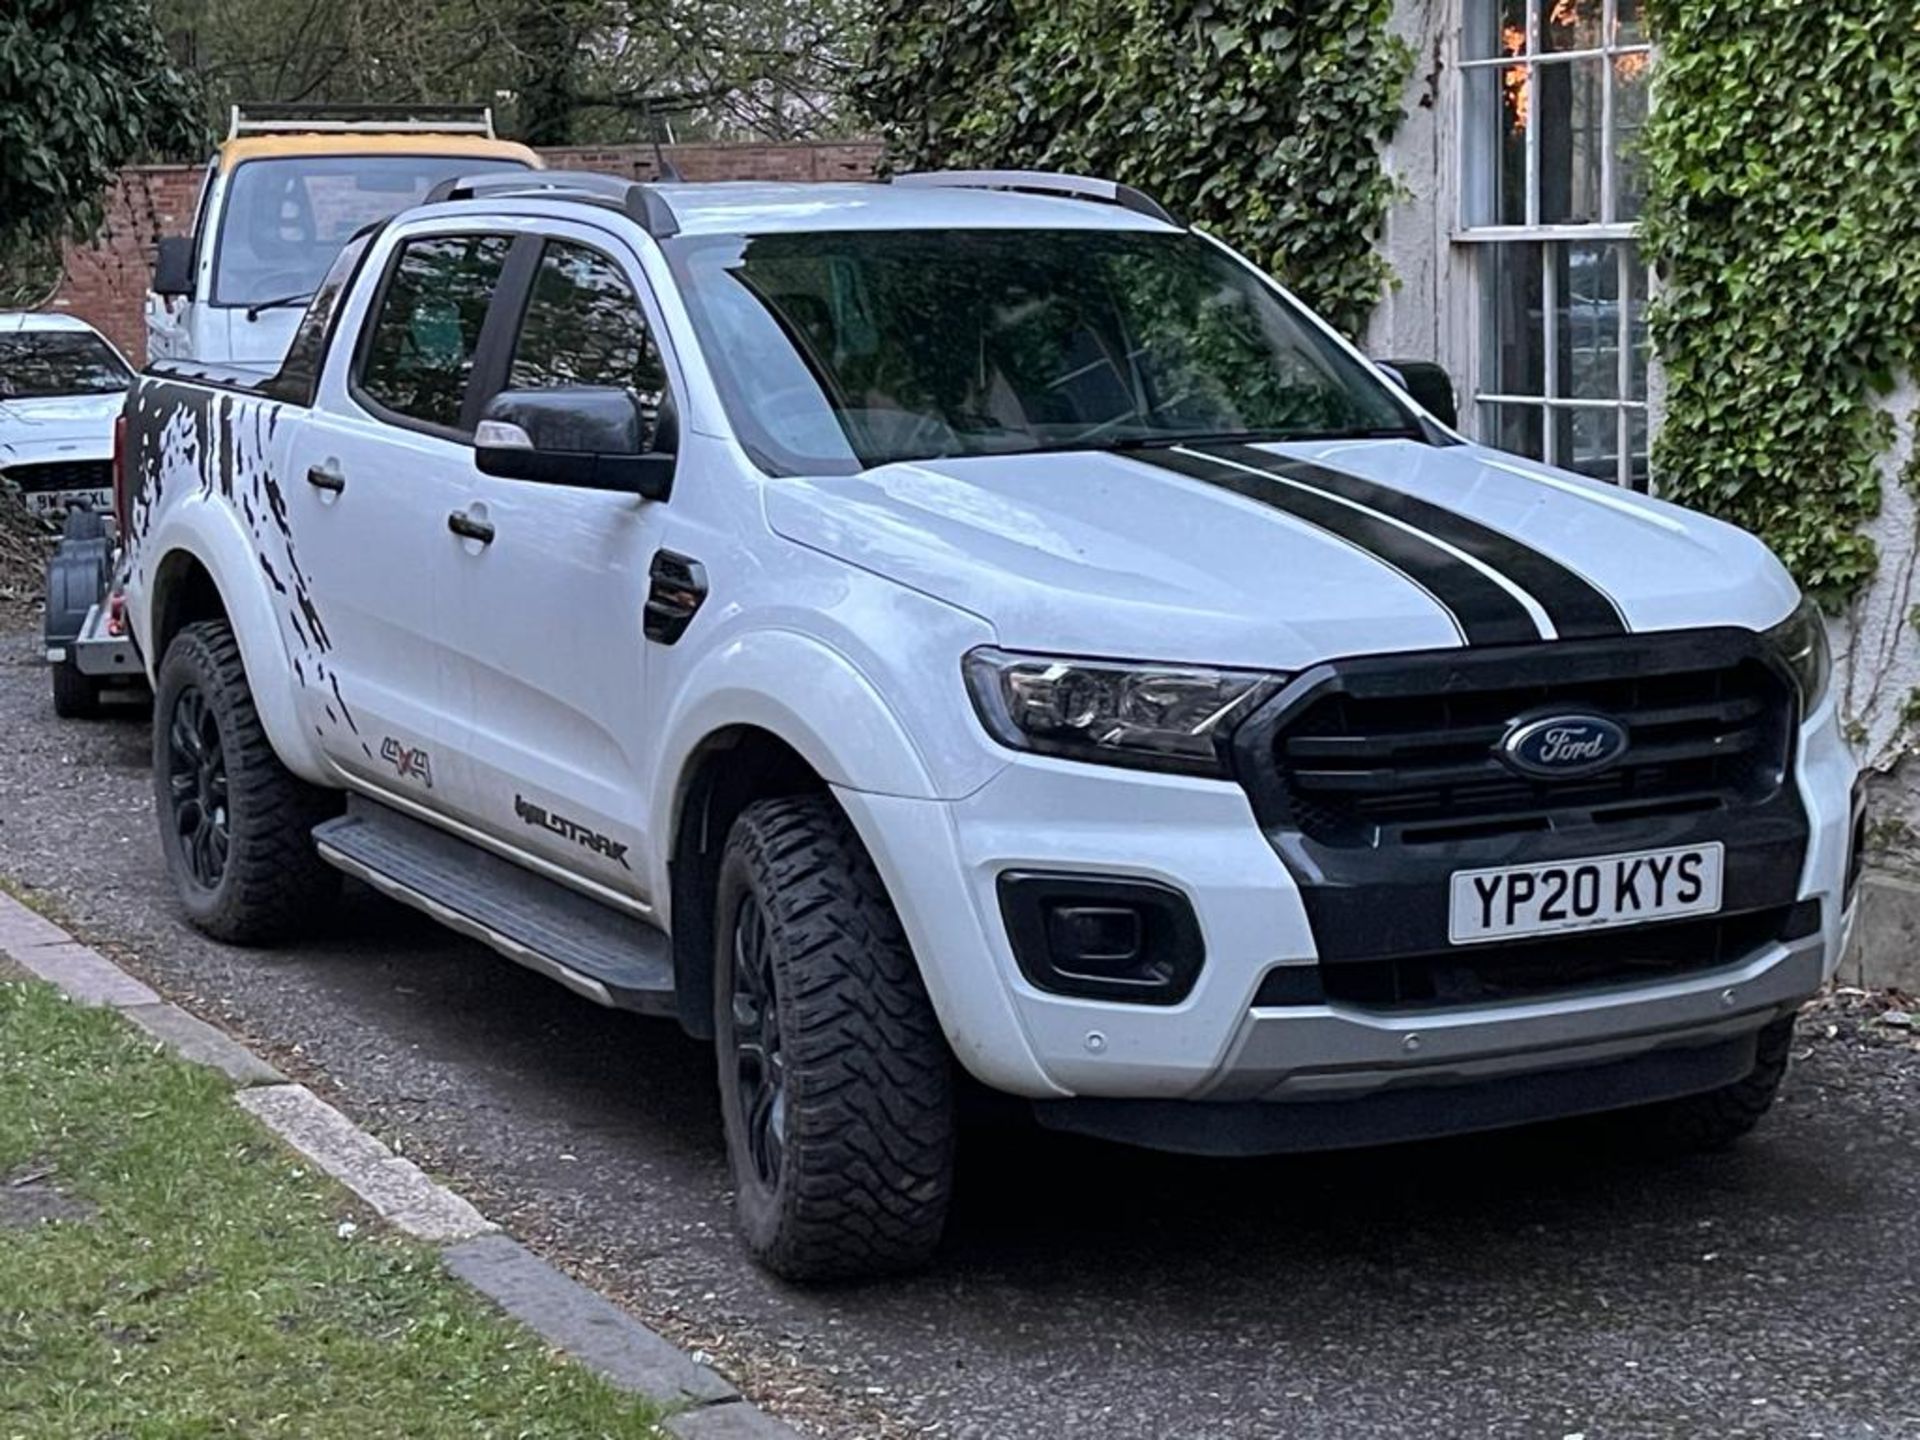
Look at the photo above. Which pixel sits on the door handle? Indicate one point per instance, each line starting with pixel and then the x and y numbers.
pixel 468 528
pixel 326 477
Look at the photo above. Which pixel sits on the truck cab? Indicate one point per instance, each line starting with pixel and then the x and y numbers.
pixel 288 187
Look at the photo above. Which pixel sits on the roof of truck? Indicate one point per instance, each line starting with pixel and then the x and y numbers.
pixel 755 207
pixel 260 147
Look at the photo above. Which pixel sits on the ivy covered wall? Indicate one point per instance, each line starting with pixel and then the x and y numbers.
pixel 1262 122
pixel 1784 225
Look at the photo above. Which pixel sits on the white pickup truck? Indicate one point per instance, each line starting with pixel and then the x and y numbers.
pixel 282 194
pixel 976 626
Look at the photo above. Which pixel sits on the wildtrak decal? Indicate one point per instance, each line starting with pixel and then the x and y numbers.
pixel 588 839
pixel 409 762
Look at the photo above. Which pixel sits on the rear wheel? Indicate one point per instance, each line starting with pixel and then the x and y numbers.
pixel 836 1084
pixel 75 696
pixel 235 824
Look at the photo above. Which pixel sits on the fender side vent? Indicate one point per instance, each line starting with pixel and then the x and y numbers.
pixel 678 590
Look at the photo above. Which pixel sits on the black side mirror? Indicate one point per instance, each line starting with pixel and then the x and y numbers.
pixel 592 437
pixel 1429 384
pixel 173 266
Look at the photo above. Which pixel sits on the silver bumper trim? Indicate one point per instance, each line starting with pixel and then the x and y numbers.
pixel 1338 1051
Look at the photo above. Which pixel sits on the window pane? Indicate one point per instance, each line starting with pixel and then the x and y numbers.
pixel 1637 448
pixel 1496 27
pixel 1636 325
pixel 1628 27
pixel 421 351
pixel 1587 327
pixel 1496 145
pixel 1631 76
pixel 1515 428
pixel 1572 140
pixel 584 326
pixel 1587 441
pixel 1512 320
pixel 1571 24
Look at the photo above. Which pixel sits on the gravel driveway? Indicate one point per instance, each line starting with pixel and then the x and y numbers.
pixel 1532 1285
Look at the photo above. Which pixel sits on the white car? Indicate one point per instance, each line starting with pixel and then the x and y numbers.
pixel 61 388
pixel 978 625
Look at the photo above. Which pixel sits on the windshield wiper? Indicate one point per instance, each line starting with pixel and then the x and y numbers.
pixel 253 311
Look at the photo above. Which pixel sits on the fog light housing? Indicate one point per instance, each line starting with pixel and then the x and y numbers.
pixel 1100 937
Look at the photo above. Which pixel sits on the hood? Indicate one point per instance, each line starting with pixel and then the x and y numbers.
pixel 50 417
pixel 230 338
pixel 1279 556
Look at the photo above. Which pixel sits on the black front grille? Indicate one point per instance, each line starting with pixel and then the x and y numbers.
pixel 1511 970
pixel 1360 769
pixel 34 479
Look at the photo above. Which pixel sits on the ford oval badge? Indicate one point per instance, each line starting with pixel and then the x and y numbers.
pixel 1556 747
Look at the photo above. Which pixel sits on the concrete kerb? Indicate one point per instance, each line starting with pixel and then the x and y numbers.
pixel 566 1314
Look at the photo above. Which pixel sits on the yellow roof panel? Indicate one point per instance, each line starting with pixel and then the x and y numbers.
pixel 263 147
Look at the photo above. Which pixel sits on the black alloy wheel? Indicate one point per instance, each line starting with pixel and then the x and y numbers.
pixel 197 787
pixel 758 1059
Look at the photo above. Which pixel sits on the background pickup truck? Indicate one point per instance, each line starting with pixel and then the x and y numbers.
pixel 282 194
pixel 975 626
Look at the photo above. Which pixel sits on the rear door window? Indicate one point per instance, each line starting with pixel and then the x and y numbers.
pixel 419 350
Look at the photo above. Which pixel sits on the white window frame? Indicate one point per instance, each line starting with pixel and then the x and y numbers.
pixel 1469 238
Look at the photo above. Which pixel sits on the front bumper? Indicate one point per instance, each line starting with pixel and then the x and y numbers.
pixel 942 861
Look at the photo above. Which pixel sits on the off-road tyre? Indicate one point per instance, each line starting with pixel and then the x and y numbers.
pixel 270 883
pixel 76 696
pixel 865 1171
pixel 1715 1119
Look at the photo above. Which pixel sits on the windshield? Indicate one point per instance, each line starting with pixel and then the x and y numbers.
pixel 35 364
pixel 838 350
pixel 284 220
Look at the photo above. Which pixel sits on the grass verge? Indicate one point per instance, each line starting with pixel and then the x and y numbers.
pixel 220 1287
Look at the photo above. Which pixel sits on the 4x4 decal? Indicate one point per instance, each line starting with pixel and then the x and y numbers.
pixel 586 838
pixel 409 762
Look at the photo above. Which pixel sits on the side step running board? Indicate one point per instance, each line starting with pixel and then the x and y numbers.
pixel 611 959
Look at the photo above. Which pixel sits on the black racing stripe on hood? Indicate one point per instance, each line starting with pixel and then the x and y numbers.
pixel 1484 612
pixel 1579 609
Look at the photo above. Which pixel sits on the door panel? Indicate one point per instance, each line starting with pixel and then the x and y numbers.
pixel 368 487
pixel 547 661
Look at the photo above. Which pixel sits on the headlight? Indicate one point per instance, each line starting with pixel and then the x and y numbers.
pixel 1801 641
pixel 1154 717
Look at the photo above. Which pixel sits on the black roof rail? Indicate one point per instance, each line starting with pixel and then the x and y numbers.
pixel 640 202
pixel 1044 182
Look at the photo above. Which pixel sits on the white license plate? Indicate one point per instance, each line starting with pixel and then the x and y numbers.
pixel 58 502
pixel 1586 893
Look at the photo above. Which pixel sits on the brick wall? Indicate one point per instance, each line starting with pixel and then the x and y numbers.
pixel 106 281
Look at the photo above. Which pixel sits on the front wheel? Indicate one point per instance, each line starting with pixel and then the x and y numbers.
pixel 835 1080
pixel 1714 1120
pixel 235 824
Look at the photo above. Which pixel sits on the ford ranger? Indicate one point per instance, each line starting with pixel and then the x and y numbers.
pixel 977 631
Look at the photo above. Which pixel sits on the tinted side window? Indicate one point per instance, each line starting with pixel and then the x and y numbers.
pixel 584 326
pixel 420 351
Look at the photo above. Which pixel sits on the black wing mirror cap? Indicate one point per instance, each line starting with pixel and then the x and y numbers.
pixel 1429 385
pixel 591 437
pixel 173 266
